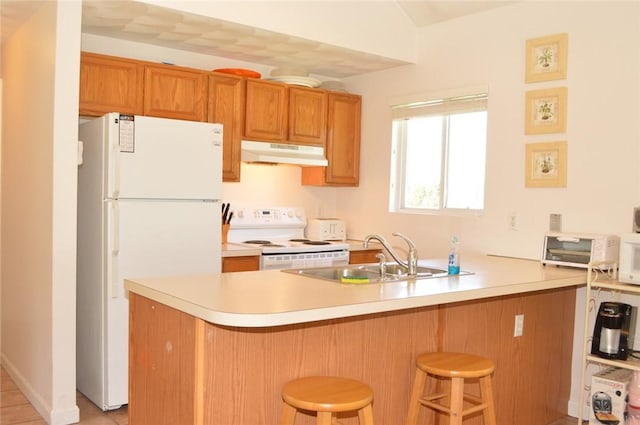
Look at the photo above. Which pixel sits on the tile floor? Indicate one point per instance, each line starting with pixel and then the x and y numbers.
pixel 15 409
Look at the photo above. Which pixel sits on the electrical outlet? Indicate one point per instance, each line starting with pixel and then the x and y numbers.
pixel 519 325
pixel 555 222
pixel 513 221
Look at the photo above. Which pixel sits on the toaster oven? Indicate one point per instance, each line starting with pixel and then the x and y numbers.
pixel 579 249
pixel 326 229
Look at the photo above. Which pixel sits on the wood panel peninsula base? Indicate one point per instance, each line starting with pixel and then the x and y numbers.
pixel 185 369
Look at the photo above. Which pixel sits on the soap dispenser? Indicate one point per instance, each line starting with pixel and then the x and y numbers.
pixel 454 256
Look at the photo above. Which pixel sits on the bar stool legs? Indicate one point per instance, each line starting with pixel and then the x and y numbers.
pixel 454 367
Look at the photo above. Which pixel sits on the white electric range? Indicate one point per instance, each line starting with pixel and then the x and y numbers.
pixel 279 233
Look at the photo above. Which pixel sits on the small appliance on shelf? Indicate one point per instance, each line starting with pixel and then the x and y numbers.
pixel 609 389
pixel 614 330
pixel 579 249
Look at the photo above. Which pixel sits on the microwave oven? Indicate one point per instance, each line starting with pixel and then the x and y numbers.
pixel 579 249
pixel 629 262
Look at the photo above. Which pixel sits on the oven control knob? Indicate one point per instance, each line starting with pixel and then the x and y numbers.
pixel 290 213
pixel 240 213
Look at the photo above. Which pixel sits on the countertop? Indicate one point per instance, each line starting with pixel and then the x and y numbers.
pixel 238 250
pixel 273 298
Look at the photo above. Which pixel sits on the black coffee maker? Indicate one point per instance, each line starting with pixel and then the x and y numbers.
pixel 614 329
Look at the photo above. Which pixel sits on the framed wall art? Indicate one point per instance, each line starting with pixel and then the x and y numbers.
pixel 546 58
pixel 546 111
pixel 546 164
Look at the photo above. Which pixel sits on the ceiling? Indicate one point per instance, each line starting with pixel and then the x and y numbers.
pixel 155 25
pixel 427 12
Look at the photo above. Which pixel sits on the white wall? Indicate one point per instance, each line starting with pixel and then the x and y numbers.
pixel 41 76
pixel 602 126
pixel 603 132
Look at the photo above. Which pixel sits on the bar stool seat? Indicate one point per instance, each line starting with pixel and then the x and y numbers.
pixel 327 396
pixel 455 367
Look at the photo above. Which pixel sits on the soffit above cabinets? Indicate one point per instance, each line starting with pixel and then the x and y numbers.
pixel 151 24
pixel 171 28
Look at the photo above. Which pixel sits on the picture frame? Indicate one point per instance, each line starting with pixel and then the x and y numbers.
pixel 546 58
pixel 546 164
pixel 546 111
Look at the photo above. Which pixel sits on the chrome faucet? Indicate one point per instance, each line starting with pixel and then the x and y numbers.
pixel 382 264
pixel 412 257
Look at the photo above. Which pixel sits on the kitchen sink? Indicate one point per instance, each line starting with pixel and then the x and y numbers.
pixel 368 273
pixel 339 273
pixel 396 269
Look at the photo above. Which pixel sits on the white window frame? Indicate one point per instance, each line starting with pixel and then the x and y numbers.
pixel 446 102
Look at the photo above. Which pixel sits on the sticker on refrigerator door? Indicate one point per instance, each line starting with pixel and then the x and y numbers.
pixel 127 130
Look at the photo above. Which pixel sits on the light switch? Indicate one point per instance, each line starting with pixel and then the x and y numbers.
pixel 519 325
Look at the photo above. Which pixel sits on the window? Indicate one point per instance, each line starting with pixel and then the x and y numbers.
pixel 438 154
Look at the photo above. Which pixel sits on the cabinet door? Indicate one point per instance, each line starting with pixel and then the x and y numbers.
pixel 307 116
pixel 110 84
pixel 364 256
pixel 173 92
pixel 266 111
pixel 240 264
pixel 343 144
pixel 226 106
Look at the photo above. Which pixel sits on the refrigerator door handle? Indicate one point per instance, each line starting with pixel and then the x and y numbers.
pixel 116 228
pixel 115 251
pixel 115 159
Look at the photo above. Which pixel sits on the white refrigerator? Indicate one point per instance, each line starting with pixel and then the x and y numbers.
pixel 149 205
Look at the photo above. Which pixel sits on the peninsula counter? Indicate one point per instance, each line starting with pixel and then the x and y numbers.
pixel 217 349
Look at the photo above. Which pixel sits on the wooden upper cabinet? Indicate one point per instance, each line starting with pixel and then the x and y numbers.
pixel 226 106
pixel 307 116
pixel 110 84
pixel 266 110
pixel 343 144
pixel 175 92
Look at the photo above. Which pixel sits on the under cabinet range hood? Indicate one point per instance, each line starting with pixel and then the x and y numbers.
pixel 282 153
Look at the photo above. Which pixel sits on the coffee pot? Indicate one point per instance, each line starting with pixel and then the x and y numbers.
pixel 613 331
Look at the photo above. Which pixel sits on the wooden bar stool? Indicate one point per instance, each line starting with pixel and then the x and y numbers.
pixel 456 367
pixel 327 396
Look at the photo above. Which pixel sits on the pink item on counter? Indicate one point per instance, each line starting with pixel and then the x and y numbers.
pixel 634 393
pixel 633 416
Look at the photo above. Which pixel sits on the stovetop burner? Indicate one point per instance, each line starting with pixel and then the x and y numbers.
pixel 264 244
pixel 278 233
pixel 306 241
pixel 269 244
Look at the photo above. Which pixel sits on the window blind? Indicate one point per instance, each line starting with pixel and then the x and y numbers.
pixel 452 105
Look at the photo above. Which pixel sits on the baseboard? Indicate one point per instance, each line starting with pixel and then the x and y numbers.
pixel 573 409
pixel 66 416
